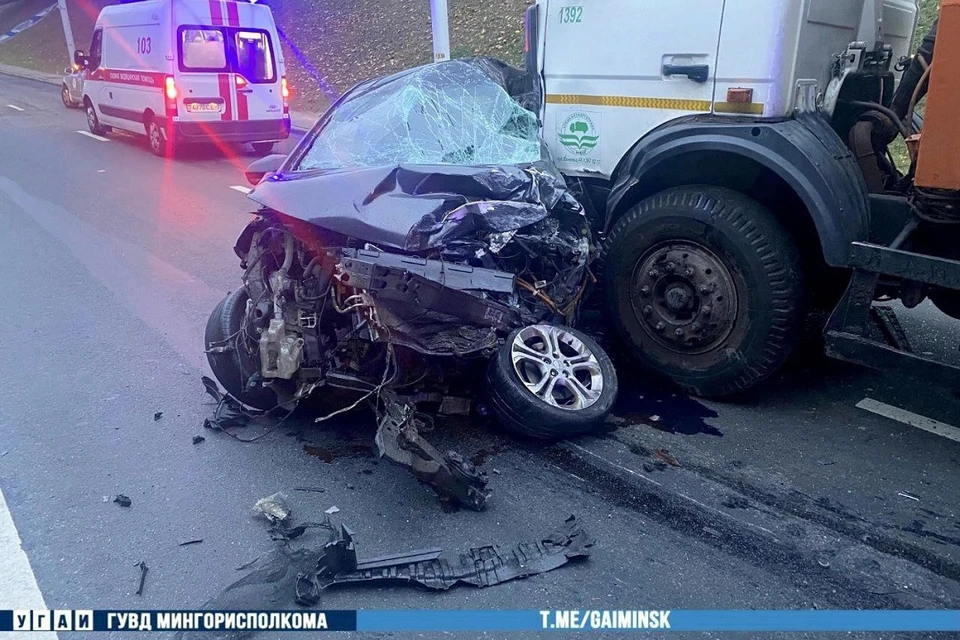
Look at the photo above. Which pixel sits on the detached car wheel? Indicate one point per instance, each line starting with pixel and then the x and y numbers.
pixel 705 287
pixel 551 382
pixel 232 357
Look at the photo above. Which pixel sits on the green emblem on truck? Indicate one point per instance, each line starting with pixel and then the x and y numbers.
pixel 578 134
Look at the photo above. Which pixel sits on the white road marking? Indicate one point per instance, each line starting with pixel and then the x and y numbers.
pixel 94 136
pixel 13 106
pixel 17 582
pixel 237 187
pixel 909 418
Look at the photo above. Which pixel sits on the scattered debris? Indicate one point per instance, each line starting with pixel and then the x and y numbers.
pixel 4 454
pixel 198 439
pixel 654 418
pixel 189 542
pixel 310 489
pixel 480 567
pixel 274 508
pixel 398 440
pixel 157 415
pixel 826 463
pixel 123 500
pixel 496 471
pixel 903 494
pixel 143 575
pixel 229 412
pixel 332 510
pixel 664 455
pixel 823 562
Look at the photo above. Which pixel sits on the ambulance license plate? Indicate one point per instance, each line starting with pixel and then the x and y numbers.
pixel 204 107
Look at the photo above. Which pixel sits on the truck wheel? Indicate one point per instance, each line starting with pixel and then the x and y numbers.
pixel 705 287
pixel 93 122
pixel 227 352
pixel 159 145
pixel 263 148
pixel 551 382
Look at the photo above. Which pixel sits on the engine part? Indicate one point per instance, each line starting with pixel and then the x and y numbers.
pixel 398 440
pixel 455 276
pixel 281 353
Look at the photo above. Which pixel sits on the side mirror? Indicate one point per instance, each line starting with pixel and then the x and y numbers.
pixel 79 58
pixel 259 169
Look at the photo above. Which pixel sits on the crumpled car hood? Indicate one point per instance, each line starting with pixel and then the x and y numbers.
pixel 428 155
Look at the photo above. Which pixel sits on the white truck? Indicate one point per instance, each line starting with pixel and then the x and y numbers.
pixel 734 156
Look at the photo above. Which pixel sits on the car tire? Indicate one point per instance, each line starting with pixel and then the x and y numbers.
pixel 65 97
pixel 93 122
pixel 562 409
pixel 705 287
pixel 159 145
pixel 263 148
pixel 234 365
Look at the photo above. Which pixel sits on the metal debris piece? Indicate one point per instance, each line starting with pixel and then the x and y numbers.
pixel 664 455
pixel 904 494
pixel 198 439
pixel 310 489
pixel 454 479
pixel 123 500
pixel 480 566
pixel 157 415
pixel 332 510
pixel 189 542
pixel 274 508
pixel 143 575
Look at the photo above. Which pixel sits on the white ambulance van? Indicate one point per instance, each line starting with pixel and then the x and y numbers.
pixel 184 71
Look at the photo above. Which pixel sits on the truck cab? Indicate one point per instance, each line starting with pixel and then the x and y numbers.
pixel 732 153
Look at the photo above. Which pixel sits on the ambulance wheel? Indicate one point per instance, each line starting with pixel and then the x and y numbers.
pixel 550 382
pixel 93 122
pixel 263 148
pixel 159 145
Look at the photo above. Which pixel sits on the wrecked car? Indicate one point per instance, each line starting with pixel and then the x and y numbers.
pixel 419 227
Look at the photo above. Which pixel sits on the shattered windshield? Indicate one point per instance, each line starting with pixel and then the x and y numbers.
pixel 449 113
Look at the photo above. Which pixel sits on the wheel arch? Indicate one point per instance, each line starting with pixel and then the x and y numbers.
pixel 798 168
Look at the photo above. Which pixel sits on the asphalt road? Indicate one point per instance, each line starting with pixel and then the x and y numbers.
pixel 110 261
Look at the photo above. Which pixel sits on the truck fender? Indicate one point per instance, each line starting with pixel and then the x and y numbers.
pixel 804 152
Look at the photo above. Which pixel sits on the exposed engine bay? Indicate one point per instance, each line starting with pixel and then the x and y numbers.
pixel 386 281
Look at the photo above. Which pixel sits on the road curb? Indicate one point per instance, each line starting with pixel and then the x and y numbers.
pixel 30 74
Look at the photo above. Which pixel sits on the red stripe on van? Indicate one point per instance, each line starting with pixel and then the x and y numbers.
pixel 243 112
pixel 233 14
pixel 216 13
pixel 225 79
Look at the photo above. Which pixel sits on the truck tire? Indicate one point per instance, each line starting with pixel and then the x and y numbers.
pixel 705 287
pixel 583 383
pixel 234 365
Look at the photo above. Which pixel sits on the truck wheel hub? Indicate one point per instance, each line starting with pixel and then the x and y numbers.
pixel 684 297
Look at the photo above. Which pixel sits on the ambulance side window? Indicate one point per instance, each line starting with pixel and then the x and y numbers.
pixel 96 50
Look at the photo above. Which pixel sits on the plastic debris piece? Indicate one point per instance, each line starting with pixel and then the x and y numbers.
pixel 310 489
pixel 143 575
pixel 123 500
pixel 157 415
pixel 229 411
pixel 189 542
pixel 480 566
pixel 823 562
pixel 274 508
pixel 332 510
pixel 198 439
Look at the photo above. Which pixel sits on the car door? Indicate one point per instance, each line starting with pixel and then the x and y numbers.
pixel 259 92
pixel 94 85
pixel 613 70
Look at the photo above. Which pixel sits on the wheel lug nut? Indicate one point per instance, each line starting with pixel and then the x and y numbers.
pixel 671 267
pixel 553 373
pixel 688 272
pixel 696 326
pixel 705 311
pixel 647 310
pixel 644 291
pixel 654 274
pixel 678 333
pixel 660 326
pixel 704 289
